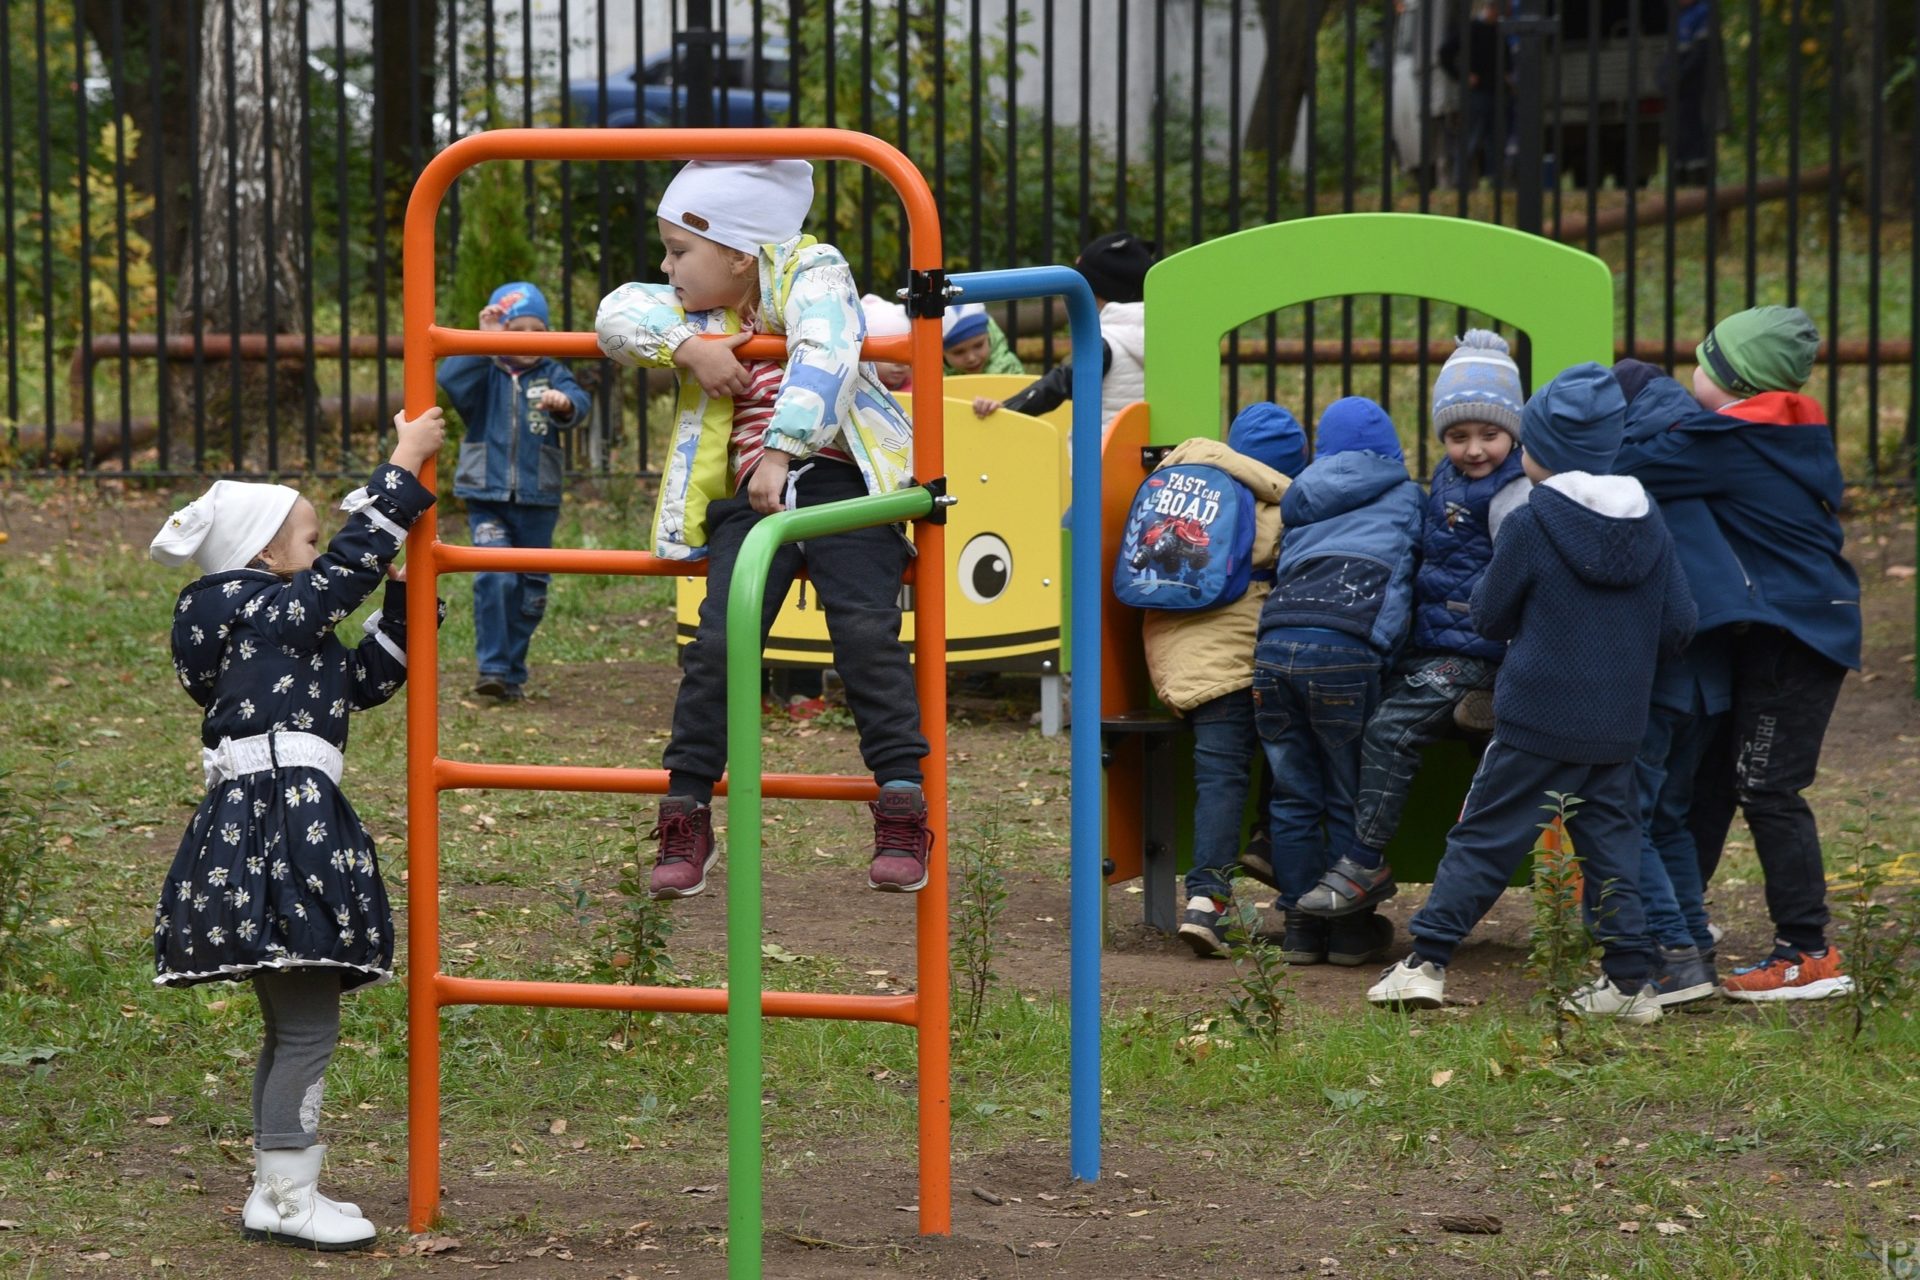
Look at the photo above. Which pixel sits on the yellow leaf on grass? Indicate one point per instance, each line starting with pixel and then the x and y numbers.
pixel 1440 1079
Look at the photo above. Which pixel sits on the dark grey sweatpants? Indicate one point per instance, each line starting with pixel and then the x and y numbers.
pixel 855 578
pixel 301 1009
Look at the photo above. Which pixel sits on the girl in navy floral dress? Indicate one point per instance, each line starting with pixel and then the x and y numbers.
pixel 275 881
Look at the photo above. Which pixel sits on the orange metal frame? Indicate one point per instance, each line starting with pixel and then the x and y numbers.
pixel 428 773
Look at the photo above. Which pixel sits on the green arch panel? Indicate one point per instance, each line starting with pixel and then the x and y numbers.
pixel 1559 296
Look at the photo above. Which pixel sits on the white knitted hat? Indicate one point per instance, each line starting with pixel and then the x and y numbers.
pixel 885 319
pixel 742 204
pixel 225 527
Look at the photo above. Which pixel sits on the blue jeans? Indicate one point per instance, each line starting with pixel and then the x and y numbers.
pixel 1312 695
pixel 1498 829
pixel 508 606
pixel 1416 711
pixel 1224 743
pixel 1669 862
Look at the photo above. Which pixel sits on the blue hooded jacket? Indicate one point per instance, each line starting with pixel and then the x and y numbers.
pixel 510 452
pixel 1456 545
pixel 1350 522
pixel 1766 469
pixel 1587 586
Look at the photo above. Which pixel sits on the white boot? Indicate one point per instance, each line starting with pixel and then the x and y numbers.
pixel 286 1207
pixel 347 1207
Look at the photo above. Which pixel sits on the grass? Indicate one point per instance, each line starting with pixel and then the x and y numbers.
pixel 1761 1139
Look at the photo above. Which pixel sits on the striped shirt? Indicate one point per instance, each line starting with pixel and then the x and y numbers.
pixel 752 412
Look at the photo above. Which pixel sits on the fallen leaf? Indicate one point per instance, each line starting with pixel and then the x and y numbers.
pixel 1471 1224
pixel 1440 1079
pixel 9 1224
pixel 557 1128
pixel 1899 571
pixel 431 1244
pixel 1690 1212
pixel 159 1122
pixel 100 1256
pixel 1670 1228
pixel 1139 1213
pixel 981 1193
pixel 707 1190
pixel 1631 1228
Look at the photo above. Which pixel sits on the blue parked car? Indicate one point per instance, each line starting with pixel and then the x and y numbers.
pixel 647 94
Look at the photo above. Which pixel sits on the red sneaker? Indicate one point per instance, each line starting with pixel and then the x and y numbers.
pixel 901 841
pixel 1796 977
pixel 685 833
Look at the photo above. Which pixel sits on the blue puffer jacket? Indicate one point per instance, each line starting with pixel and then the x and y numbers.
pixel 1765 468
pixel 1350 522
pixel 1456 545
pixel 510 453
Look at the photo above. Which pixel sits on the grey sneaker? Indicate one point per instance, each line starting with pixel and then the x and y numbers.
pixel 1347 887
pixel 1684 976
pixel 1204 928
pixel 1601 999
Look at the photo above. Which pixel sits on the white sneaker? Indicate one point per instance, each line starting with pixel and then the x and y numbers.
pixel 1602 999
pixel 286 1208
pixel 1411 984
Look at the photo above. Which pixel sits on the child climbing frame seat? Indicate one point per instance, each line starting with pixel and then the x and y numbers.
pixel 1560 297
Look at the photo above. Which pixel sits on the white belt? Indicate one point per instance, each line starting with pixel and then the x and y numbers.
pixel 262 753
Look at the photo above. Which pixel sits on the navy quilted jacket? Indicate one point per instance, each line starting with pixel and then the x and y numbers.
pixel 1456 545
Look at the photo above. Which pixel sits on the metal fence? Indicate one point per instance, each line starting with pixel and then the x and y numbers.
pixel 202 197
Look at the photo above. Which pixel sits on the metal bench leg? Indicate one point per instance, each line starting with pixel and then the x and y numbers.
pixel 1157 872
pixel 1050 706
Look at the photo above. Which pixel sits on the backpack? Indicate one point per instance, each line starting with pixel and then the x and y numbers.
pixel 1188 542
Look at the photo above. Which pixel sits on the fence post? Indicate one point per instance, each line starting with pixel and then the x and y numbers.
pixel 698 63
pixel 1529 30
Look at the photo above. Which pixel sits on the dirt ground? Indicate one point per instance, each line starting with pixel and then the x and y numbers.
pixel 1016 1212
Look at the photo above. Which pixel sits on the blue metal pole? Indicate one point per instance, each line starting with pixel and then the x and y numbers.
pixel 1085 853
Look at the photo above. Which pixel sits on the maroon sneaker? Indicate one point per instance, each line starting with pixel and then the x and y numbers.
pixel 901 841
pixel 685 833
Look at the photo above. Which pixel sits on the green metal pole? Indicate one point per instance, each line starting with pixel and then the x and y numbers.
pixel 743 837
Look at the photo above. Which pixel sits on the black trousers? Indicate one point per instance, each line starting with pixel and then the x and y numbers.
pixel 1766 754
pixel 856 578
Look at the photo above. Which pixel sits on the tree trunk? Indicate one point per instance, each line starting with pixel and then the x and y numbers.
pixel 249 250
pixel 403 86
pixel 1290 26
pixel 156 109
pixel 1896 112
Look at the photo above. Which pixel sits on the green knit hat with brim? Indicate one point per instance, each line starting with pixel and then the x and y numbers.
pixel 1762 349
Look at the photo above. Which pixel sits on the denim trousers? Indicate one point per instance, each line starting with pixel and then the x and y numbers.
pixel 1312 695
pixel 1225 750
pixel 1415 711
pixel 507 607
pixel 1669 864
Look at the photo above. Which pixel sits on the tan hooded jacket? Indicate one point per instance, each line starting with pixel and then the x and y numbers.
pixel 1206 654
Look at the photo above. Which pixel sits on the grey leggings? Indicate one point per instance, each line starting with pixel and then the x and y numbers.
pixel 301 1009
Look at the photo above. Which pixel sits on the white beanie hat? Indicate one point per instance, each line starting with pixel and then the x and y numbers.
pixel 225 527
pixel 885 319
pixel 742 204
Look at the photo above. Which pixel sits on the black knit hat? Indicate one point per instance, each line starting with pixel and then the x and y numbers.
pixel 1115 265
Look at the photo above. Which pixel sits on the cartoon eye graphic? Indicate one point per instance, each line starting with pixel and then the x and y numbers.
pixel 986 568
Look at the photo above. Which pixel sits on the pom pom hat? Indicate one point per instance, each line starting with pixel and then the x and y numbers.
pixel 1479 383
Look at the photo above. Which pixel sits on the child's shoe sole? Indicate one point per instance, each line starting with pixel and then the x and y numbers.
pixel 1823 989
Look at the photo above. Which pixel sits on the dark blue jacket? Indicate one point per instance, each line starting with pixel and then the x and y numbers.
pixel 1590 602
pixel 1456 545
pixel 510 453
pixel 1699 681
pixel 1349 525
pixel 1767 471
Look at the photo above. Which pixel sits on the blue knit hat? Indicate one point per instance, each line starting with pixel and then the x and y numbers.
pixel 1575 422
pixel 962 324
pixel 1479 383
pixel 521 299
pixel 1267 433
pixel 1357 425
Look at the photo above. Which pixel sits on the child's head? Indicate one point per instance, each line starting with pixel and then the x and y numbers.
pixel 237 523
pixel 1116 266
pixel 1760 349
pixel 887 320
pixel 1574 423
pixel 1477 403
pixel 1357 425
pixel 1268 433
pixel 966 338
pixel 523 309
pixel 715 218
